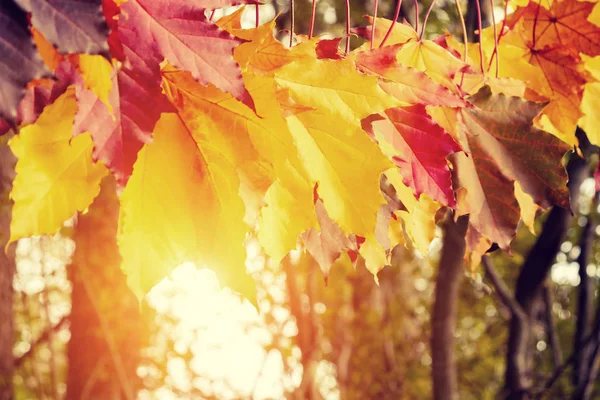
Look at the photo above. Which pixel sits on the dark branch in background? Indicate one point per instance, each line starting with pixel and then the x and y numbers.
pixel 7 270
pixel 472 20
pixel 404 13
pixel 585 298
pixel 586 384
pixel 502 290
pixel 531 279
pixel 558 373
pixel 553 340
pixel 443 318
pixel 44 337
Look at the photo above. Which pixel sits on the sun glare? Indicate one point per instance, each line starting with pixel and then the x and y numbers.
pixel 224 333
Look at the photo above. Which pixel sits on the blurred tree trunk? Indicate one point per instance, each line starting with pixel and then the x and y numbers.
pixel 530 282
pixel 443 318
pixel 585 298
pixel 106 326
pixel 472 21
pixel 7 270
pixel 447 284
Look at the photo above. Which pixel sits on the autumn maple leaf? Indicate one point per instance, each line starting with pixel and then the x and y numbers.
pixel 178 31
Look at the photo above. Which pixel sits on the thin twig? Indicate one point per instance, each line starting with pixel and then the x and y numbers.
pixel 502 289
pixel 396 15
pixel 560 370
pixel 41 339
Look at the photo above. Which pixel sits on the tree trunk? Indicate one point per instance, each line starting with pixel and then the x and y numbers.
pixel 585 300
pixel 533 274
pixel 443 318
pixel 7 270
pixel 472 21
pixel 106 327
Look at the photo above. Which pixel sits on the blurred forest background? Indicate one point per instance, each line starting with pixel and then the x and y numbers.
pixel 526 325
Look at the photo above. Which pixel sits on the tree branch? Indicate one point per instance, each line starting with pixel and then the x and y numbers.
pixel 530 282
pixel 501 289
pixel 551 334
pixel 443 318
pixel 41 339
pixel 585 297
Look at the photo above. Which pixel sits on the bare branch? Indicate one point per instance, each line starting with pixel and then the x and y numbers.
pixel 501 288
pixel 41 339
pixel 551 334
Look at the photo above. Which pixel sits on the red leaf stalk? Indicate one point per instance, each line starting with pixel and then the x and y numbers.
pixel 291 22
pixel 427 17
pixel 495 40
pixel 480 29
pixel 416 15
pixel 212 14
pixel 537 14
pixel 313 12
pixel 374 20
pixel 347 26
pixel 396 15
pixel 495 52
pixel 465 37
pixel 257 14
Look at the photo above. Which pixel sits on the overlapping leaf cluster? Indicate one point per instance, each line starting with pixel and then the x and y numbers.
pixel 214 132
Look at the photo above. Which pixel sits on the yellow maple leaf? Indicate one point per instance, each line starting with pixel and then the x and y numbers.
pixel 419 217
pixel 334 149
pixel 51 57
pixel 56 176
pixel 434 60
pixel 182 204
pixel 97 73
pixel 590 103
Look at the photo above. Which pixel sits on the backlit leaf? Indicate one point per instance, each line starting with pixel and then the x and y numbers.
pixel 419 147
pixel 56 176
pixel 181 204
pixel 179 32
pixel 334 150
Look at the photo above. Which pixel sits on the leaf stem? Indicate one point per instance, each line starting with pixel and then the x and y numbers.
pixel 347 26
pixel 537 14
pixel 479 27
pixel 313 12
pixel 374 20
pixel 427 17
pixel 416 3
pixel 212 14
pixel 495 52
pixel 465 37
pixel 396 15
pixel 291 22
pixel 257 14
pixel 495 40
